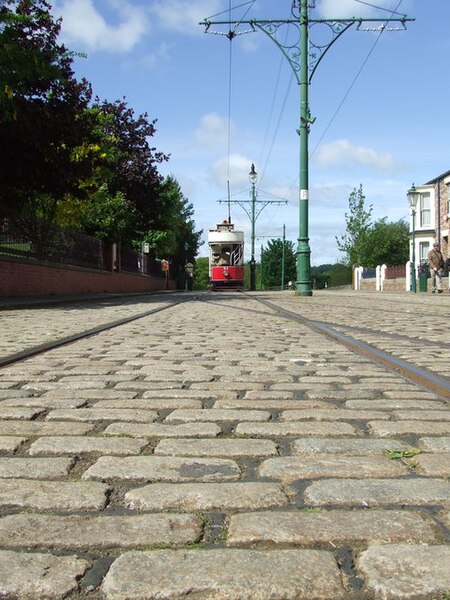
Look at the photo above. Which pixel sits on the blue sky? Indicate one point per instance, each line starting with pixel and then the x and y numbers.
pixel 380 103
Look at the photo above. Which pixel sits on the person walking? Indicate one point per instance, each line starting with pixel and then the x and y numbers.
pixel 436 264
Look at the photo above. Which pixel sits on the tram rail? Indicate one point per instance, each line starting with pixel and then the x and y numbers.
pixel 344 334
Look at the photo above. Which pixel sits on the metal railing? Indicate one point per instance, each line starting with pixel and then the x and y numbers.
pixel 77 249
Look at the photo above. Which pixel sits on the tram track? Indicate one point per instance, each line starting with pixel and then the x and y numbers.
pixel 65 340
pixel 416 374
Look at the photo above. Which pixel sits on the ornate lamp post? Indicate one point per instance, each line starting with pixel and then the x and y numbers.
pixel 413 197
pixel 253 176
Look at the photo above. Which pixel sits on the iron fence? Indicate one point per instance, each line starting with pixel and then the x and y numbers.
pixel 60 246
pixel 78 249
pixel 395 272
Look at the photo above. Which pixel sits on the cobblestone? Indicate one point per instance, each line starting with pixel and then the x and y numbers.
pixel 330 528
pixel 94 533
pixel 34 468
pixel 405 571
pixel 222 574
pixel 77 445
pixel 206 496
pixel 378 492
pixel 161 468
pixel 179 457
pixel 29 576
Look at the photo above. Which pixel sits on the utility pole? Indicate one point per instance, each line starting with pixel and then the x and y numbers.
pixel 253 213
pixel 304 56
pixel 283 257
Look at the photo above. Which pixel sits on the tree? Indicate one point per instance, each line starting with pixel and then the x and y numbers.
pixel 358 221
pixel 42 117
pixel 133 168
pixel 331 275
pixel 201 273
pixel 272 263
pixel 387 243
pixel 172 233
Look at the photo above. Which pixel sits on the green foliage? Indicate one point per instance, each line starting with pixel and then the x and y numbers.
pixel 272 264
pixel 371 244
pixel 173 230
pixel 396 454
pixel 102 215
pixel 358 221
pixel 326 276
pixel 201 273
pixel 86 167
pixel 387 243
pixel 42 108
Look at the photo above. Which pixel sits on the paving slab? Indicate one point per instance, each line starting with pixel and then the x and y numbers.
pixel 29 576
pixel 160 430
pixel 217 447
pixel 161 468
pixel 53 495
pixel 76 445
pixel 231 574
pixel 98 533
pixel 98 414
pixel 360 446
pixel 206 496
pixel 9 444
pixel 378 492
pixel 294 428
pixel 330 528
pixel 36 428
pixel 289 469
pixel 410 572
pixel 35 468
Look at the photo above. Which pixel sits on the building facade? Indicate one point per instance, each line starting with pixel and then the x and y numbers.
pixel 432 218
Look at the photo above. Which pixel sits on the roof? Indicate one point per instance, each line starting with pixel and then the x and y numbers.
pixel 438 178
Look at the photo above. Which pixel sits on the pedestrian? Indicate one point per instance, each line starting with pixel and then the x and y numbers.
pixel 447 268
pixel 436 264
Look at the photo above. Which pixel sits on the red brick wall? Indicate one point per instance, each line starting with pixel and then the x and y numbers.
pixel 27 279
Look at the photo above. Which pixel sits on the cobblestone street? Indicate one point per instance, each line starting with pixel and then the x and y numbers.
pixel 218 449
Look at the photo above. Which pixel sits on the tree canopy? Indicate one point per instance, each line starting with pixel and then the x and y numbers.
pixel 272 263
pixel 369 243
pixel 83 164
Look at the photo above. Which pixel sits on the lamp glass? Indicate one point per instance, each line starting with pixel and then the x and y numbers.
pixel 413 196
pixel 253 175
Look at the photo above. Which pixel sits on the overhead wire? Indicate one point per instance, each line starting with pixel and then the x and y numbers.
pixel 354 79
pixel 392 12
pixel 231 34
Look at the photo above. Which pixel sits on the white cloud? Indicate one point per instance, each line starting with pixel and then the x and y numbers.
pixel 328 9
pixel 342 154
pixel 213 131
pixel 239 167
pixel 184 16
pixel 83 24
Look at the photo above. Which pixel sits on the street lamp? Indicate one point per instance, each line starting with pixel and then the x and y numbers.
pixel 413 197
pixel 253 176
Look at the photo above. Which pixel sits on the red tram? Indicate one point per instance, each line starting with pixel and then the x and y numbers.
pixel 226 257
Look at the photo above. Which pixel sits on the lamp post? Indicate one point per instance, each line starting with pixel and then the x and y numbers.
pixel 413 197
pixel 253 176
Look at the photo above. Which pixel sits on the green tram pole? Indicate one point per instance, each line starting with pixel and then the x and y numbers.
pixel 303 283
pixel 304 59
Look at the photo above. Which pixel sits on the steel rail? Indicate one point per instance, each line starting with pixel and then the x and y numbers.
pixel 417 375
pixel 41 348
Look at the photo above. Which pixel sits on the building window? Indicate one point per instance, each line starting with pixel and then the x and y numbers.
pixel 424 248
pixel 425 212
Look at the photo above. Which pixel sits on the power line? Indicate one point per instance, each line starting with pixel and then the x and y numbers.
pixel 354 79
